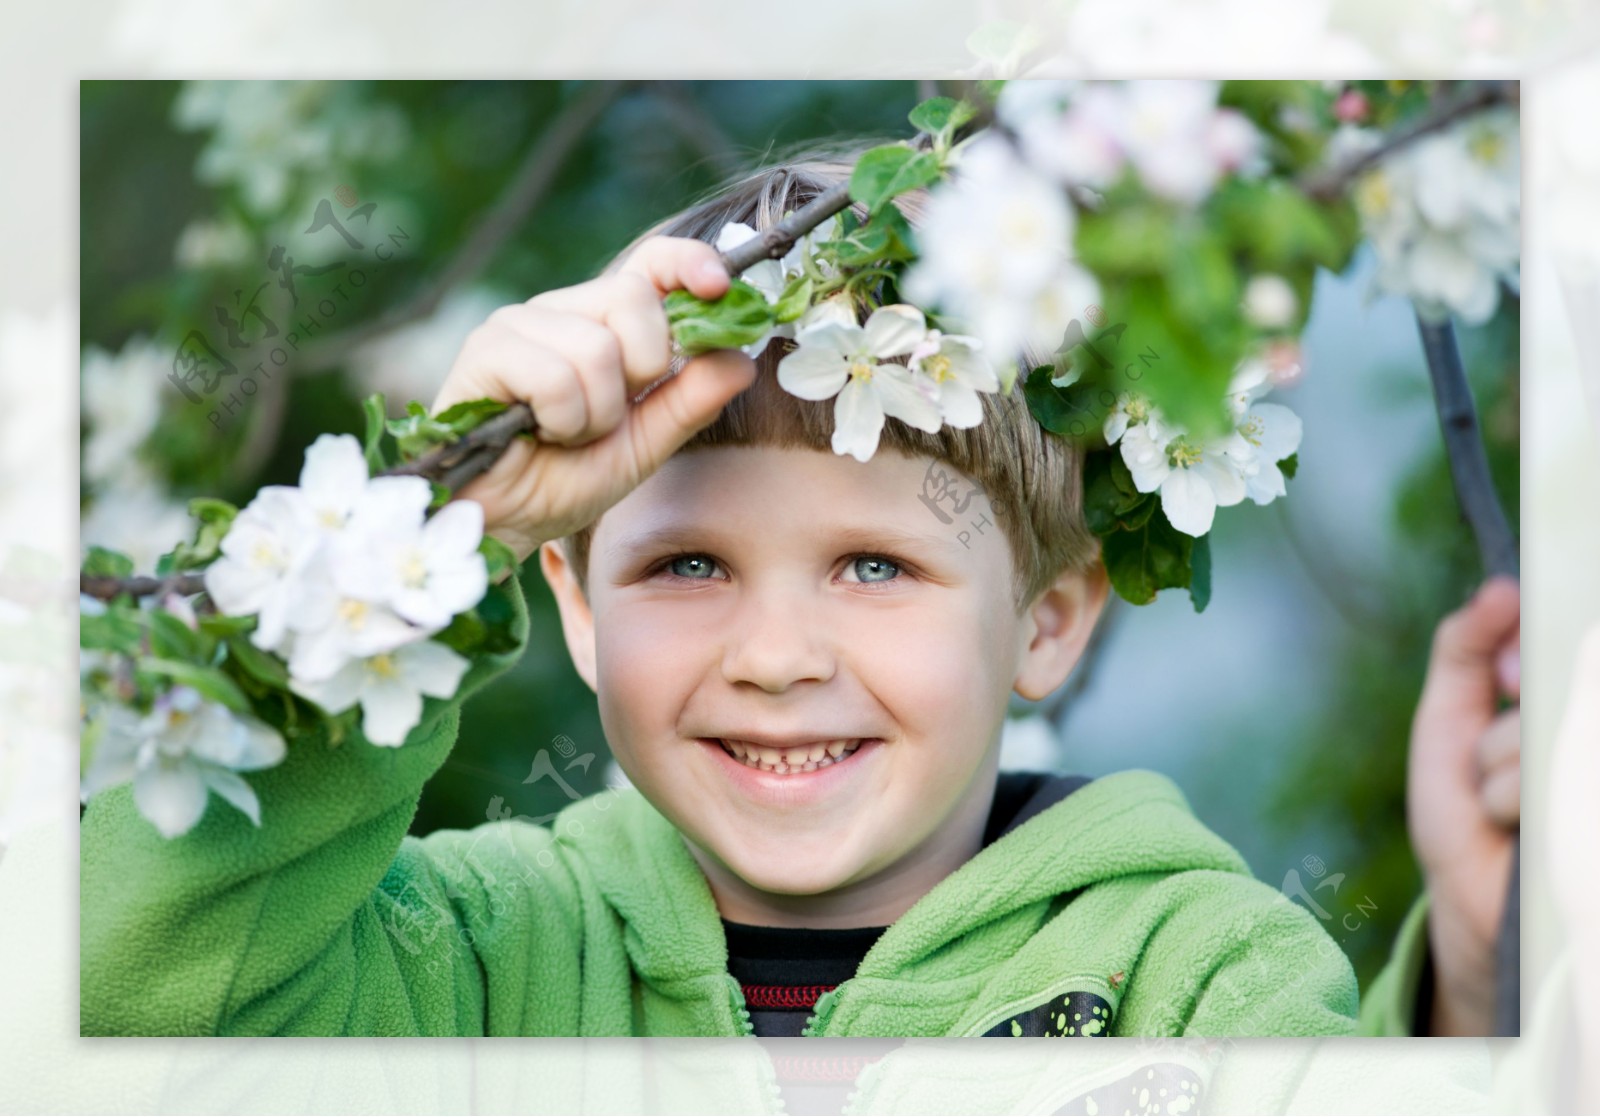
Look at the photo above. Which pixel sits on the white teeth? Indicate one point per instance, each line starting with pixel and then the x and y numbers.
pixel 787 761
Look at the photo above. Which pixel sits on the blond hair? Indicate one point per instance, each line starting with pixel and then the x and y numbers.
pixel 1033 479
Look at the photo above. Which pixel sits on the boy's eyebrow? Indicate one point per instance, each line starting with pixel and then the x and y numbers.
pixel 853 536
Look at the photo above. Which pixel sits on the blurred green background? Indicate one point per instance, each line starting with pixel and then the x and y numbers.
pixel 1283 712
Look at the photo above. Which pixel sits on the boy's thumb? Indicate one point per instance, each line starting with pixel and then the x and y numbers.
pixel 684 403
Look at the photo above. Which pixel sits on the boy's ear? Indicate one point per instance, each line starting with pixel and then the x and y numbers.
pixel 1058 626
pixel 577 622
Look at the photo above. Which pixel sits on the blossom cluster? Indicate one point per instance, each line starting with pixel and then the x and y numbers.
pixel 184 748
pixel 996 252
pixel 1196 476
pixel 854 364
pixel 1444 215
pixel 1172 134
pixel 347 578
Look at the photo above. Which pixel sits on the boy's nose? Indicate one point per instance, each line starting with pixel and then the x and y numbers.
pixel 776 641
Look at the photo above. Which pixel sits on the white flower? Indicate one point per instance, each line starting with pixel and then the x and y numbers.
pixel 334 479
pixel 121 403
pixel 427 571
pixel 1167 134
pixel 1270 302
pixel 838 310
pixel 845 360
pixel 958 372
pixel 996 247
pixel 1273 432
pixel 1194 478
pixel 185 747
pixel 389 686
pixel 1443 217
pixel 997 227
pixel 264 554
pixel 332 626
pixel 769 276
pixel 1130 409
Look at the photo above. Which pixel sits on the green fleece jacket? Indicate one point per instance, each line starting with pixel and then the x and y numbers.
pixel 1113 912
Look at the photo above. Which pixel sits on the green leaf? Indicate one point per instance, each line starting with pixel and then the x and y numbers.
pixel 172 639
pixel 740 317
pixel 1111 503
pixel 795 300
pixel 885 238
pixel 257 664
pixel 469 413
pixel 105 563
pixel 1132 239
pixel 215 519
pixel 1201 279
pixel 115 630
pixel 209 681
pixel 222 627
pixel 1200 576
pixel 1289 466
pixel 441 496
pixel 1154 557
pixel 884 172
pixel 373 408
pixel 1077 413
pixel 939 116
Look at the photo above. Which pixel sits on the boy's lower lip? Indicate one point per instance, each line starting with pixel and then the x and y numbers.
pixel 788 788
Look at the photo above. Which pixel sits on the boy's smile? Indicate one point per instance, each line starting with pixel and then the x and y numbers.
pixel 805 671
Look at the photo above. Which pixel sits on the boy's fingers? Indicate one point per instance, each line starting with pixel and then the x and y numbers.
pixel 681 405
pixel 499 363
pixel 1461 666
pixel 595 355
pixel 670 263
pixel 1500 765
pixel 630 307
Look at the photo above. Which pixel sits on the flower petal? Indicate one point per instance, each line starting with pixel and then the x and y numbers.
pixel 233 788
pixel 813 371
pixel 335 472
pixel 456 529
pixel 894 330
pixel 960 405
pixel 1188 502
pixel 336 693
pixel 170 795
pixel 906 400
pixel 389 710
pixel 431 668
pixel 857 421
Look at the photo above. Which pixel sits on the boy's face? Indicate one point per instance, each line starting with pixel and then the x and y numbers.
pixel 749 607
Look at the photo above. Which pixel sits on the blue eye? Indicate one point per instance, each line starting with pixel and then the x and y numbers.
pixel 692 566
pixel 873 568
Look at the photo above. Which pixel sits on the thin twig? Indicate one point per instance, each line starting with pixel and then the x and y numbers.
pixel 1328 184
pixel 1463 444
pixel 526 189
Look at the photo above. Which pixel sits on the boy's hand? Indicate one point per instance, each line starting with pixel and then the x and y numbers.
pixel 1463 798
pixel 578 357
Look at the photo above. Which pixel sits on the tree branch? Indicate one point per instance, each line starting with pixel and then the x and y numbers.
pixel 1463 444
pixel 1328 184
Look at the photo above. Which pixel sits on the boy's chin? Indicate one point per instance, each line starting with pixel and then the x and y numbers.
pixel 780 878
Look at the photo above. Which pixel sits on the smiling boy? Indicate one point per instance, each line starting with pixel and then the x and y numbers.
pixel 805 676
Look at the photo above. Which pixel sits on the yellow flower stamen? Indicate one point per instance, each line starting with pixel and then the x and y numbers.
pixel 938 367
pixel 353 612
pixel 383 665
pixel 861 369
pixel 1182 454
